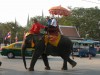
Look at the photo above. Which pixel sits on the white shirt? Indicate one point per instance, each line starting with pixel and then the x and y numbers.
pixel 54 22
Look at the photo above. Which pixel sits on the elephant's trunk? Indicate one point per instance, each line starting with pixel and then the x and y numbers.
pixel 23 56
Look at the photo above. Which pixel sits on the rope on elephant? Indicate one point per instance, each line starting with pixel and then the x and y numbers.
pixel 52 39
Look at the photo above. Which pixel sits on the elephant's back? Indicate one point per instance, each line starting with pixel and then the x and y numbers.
pixel 65 43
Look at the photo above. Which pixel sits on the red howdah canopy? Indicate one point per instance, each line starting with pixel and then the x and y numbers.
pixel 59 10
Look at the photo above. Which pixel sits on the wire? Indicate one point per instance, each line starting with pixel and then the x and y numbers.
pixel 91 1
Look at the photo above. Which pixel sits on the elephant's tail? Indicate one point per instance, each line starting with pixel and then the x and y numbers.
pixel 72 54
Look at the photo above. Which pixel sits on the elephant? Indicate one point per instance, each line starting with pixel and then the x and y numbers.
pixel 64 49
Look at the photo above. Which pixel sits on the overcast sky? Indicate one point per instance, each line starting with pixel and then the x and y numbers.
pixel 20 9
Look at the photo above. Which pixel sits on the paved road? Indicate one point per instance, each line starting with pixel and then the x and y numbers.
pixel 84 67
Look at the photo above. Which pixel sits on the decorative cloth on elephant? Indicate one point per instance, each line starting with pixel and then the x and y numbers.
pixel 52 39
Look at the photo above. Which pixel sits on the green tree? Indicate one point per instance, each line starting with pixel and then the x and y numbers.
pixel 13 28
pixel 86 21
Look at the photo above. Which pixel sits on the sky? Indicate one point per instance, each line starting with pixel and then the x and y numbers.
pixel 21 9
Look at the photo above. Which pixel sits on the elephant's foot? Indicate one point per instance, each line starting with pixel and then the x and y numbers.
pixel 73 64
pixel 64 68
pixel 0 63
pixel 30 69
pixel 47 68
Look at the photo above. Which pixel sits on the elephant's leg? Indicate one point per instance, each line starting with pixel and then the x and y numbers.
pixel 73 63
pixel 45 60
pixel 64 62
pixel 35 56
pixel 39 49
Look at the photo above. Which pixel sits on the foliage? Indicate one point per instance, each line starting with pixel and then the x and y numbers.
pixel 13 28
pixel 86 21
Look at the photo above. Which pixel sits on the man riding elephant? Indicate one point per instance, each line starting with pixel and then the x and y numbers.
pixel 34 30
pixel 49 44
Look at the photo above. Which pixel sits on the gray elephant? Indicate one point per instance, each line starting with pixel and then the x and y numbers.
pixel 63 49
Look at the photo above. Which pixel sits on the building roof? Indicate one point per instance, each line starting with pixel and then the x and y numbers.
pixel 69 31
